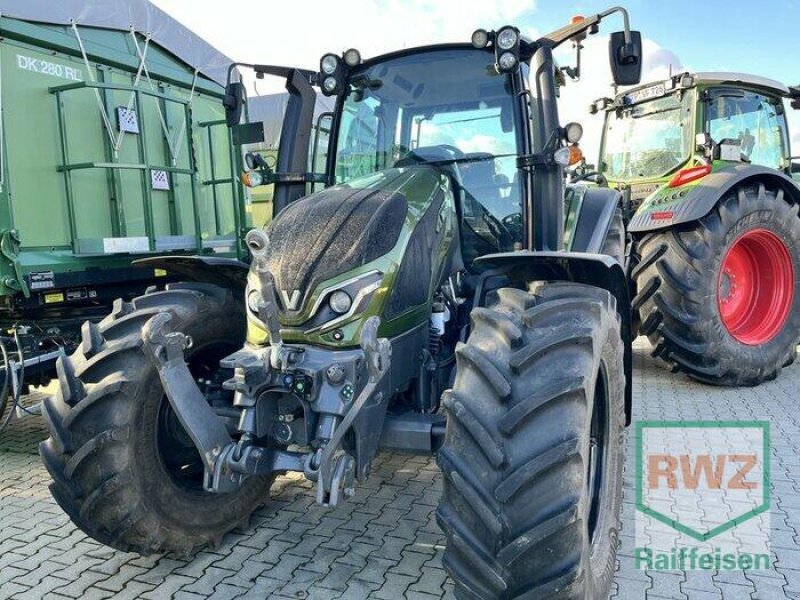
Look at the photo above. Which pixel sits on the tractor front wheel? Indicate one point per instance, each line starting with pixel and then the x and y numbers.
pixel 532 458
pixel 123 467
pixel 720 298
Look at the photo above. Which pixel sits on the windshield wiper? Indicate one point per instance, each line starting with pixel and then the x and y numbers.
pixel 465 159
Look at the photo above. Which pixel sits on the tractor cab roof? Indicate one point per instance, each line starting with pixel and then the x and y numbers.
pixel 686 80
pixel 716 77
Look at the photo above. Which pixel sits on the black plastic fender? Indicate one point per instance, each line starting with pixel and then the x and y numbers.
pixel 224 272
pixel 578 267
pixel 594 219
pixel 700 199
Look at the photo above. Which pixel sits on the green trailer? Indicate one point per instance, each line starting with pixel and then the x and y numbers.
pixel 114 148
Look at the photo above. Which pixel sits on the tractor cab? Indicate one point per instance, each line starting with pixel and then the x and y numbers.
pixel 668 132
pixel 461 117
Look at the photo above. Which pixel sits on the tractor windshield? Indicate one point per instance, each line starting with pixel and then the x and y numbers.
pixel 647 140
pixel 443 106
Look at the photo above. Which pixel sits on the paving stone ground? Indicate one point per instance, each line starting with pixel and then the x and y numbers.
pixel 385 543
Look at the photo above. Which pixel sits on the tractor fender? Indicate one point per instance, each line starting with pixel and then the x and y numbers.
pixel 225 272
pixel 673 206
pixel 597 211
pixel 596 270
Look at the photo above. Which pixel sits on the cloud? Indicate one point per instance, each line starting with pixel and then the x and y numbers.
pixel 596 83
pixel 298 32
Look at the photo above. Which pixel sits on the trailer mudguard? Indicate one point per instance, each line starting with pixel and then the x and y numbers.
pixel 597 270
pixel 596 212
pixel 224 272
pixel 668 207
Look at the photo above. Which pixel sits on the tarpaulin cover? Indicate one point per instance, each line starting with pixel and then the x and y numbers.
pixel 123 15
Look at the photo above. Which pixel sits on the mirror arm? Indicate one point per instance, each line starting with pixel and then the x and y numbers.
pixel 625 18
pixel 276 70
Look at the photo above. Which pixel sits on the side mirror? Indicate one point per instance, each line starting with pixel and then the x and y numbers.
pixel 234 101
pixel 625 58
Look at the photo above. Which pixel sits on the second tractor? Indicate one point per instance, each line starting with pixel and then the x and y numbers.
pixel 704 164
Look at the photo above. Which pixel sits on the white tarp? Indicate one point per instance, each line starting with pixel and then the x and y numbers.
pixel 123 15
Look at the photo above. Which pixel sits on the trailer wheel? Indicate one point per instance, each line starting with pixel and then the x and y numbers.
pixel 123 468
pixel 533 453
pixel 720 297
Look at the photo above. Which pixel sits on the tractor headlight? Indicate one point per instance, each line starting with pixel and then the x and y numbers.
pixel 343 301
pixel 352 58
pixel 329 64
pixel 562 156
pixel 480 38
pixel 507 38
pixel 340 302
pixel 253 301
pixel 329 84
pixel 507 49
pixel 332 74
pixel 507 61
pixel 573 132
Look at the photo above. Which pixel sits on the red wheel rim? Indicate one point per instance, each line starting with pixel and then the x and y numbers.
pixel 756 287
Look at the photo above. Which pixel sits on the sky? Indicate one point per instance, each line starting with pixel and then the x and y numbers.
pixel 715 35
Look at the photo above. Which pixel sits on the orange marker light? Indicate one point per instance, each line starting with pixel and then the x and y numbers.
pixel 577 19
pixel 575 154
pixel 251 179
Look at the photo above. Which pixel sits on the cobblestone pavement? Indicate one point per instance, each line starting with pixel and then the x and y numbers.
pixel 384 543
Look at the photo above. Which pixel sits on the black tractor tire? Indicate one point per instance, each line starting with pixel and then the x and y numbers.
pixel 538 382
pixel 614 244
pixel 123 468
pixel 682 283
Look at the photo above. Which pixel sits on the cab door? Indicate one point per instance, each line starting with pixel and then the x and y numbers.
pixel 755 119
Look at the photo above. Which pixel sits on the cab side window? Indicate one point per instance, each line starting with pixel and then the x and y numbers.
pixel 756 121
pixel 358 152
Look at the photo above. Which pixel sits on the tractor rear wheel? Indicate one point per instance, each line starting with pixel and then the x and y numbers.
pixel 533 452
pixel 720 298
pixel 123 467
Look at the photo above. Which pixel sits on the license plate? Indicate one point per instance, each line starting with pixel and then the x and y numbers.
pixel 654 91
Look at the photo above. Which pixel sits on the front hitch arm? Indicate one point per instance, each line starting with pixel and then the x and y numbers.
pixel 165 349
pixel 227 463
pixel 336 467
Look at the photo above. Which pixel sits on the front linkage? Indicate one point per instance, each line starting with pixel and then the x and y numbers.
pixel 333 385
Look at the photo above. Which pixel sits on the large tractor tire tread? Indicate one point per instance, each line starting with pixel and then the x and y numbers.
pixel 100 419
pixel 516 448
pixel 677 290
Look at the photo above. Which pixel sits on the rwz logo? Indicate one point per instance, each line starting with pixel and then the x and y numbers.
pixel 702 478
pixel 687 471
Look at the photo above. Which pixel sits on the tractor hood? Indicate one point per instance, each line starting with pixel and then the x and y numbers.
pixel 353 238
pixel 330 233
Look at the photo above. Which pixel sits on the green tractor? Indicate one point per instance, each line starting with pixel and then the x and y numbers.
pixel 704 165
pixel 423 301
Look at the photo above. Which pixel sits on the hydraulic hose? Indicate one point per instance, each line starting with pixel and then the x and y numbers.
pixel 4 421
